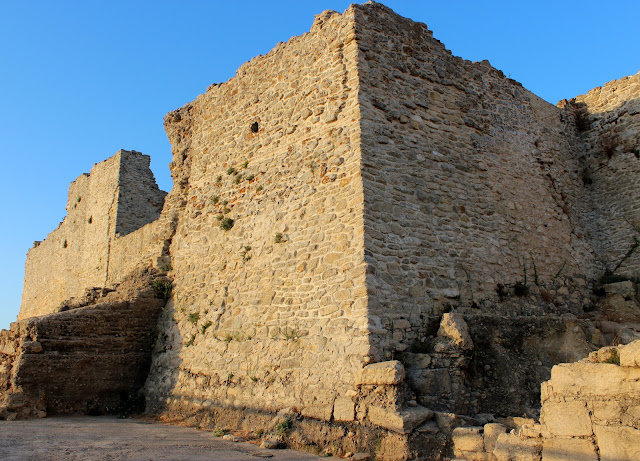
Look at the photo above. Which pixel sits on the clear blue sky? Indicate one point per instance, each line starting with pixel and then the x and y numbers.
pixel 81 79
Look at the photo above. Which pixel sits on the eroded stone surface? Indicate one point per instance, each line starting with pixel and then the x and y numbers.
pixel 382 373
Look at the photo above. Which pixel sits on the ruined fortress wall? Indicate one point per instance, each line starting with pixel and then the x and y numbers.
pixel 591 408
pixel 142 236
pixel 117 195
pixel 610 124
pixel 139 199
pixel 469 181
pixel 90 359
pixel 73 257
pixel 271 312
pixel 145 247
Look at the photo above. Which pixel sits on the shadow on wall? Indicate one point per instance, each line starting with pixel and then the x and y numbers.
pixel 610 161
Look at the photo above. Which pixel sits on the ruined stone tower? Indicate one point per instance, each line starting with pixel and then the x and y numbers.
pixel 119 196
pixel 363 230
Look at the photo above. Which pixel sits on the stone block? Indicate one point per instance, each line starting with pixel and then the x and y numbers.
pixel 628 335
pixel 31 347
pixel 511 447
pixel 381 373
pixel 472 456
pixel 567 419
pixel 403 422
pixel 454 328
pixel 568 449
pixel 625 289
pixel 607 410
pixel 590 379
pixel 432 381
pixel 468 439
pixel 491 433
pixel 414 360
pixel 322 412
pixel 617 443
pixel 630 355
pixel 530 430
pixel 344 409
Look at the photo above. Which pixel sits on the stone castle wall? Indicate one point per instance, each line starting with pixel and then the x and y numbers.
pixel 271 312
pixel 331 203
pixel 119 194
pixel 609 127
pixel 469 182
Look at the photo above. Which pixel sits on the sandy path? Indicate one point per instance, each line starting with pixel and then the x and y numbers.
pixel 105 438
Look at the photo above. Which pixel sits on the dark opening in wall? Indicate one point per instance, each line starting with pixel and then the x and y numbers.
pixel 254 127
pixel 64 245
pixel 90 220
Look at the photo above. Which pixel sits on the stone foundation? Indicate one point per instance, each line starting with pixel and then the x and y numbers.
pixel 90 359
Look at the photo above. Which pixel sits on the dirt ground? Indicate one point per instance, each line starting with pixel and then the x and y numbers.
pixel 107 438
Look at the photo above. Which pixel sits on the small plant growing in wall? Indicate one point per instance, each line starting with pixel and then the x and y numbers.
pixel 215 199
pixel 614 358
pixel 245 253
pixel 163 288
pixel 166 268
pixel 278 238
pixel 226 224
pixel 190 342
pixel 283 427
pixel 245 164
pixel 231 170
pixel 288 334
pixel 194 317
pixel 206 325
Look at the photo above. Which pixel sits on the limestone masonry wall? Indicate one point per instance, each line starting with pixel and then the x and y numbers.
pixel 469 182
pixel 609 127
pixel 271 311
pixel 117 197
pixel 369 241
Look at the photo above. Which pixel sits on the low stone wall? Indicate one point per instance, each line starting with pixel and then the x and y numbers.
pixel 89 360
pixel 590 412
